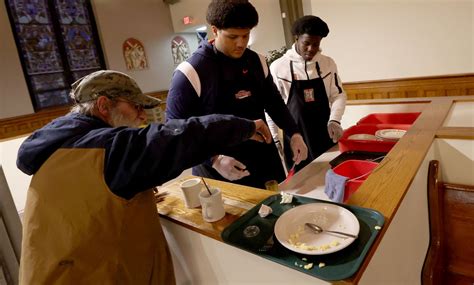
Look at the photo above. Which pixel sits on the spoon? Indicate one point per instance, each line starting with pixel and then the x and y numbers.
pixel 317 229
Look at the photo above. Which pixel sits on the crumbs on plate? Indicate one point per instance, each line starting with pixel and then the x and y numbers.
pixel 377 227
pixel 294 241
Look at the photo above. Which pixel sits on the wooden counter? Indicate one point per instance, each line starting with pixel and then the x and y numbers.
pixel 238 199
pixel 384 190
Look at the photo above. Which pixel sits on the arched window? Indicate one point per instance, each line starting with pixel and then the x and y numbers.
pixel 58 43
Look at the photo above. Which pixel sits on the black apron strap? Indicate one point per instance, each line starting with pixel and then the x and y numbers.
pixel 309 105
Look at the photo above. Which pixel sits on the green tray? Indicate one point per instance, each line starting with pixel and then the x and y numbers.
pixel 338 265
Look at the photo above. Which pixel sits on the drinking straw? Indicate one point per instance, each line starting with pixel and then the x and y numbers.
pixel 207 187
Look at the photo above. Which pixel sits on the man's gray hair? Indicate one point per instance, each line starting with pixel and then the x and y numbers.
pixel 85 108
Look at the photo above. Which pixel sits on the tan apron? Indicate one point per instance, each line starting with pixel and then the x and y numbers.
pixel 78 232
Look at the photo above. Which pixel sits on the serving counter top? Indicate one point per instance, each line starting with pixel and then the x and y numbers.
pixel 396 189
pixel 238 199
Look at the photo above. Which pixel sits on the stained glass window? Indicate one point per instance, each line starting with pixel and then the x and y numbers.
pixel 58 43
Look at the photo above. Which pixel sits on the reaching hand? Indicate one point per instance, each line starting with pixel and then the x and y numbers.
pixel 300 151
pixel 262 132
pixel 230 168
pixel 335 131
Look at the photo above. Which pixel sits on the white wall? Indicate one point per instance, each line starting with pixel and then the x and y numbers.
pixel 400 255
pixel 460 115
pixel 369 39
pixel 196 9
pixel 146 20
pixel 14 98
pixel 268 34
pixel 385 39
pixel 18 182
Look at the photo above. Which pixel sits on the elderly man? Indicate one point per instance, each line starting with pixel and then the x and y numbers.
pixel 90 216
pixel 225 77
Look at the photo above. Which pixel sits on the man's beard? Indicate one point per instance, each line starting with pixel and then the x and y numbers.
pixel 119 120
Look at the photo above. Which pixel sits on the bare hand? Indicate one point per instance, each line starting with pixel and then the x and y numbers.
pixel 335 131
pixel 262 132
pixel 300 151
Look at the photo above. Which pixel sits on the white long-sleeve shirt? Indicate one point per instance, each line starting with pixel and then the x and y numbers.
pixel 280 70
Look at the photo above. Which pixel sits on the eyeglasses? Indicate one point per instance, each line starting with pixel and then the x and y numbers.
pixel 137 107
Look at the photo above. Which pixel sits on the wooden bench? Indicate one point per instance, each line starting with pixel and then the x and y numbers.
pixel 450 256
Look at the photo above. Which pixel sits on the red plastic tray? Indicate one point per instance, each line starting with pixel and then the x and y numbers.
pixel 389 118
pixel 346 144
pixel 356 171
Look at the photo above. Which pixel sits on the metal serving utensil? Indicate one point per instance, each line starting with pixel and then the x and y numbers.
pixel 317 229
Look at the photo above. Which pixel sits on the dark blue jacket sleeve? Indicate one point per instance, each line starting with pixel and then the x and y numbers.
pixel 182 101
pixel 138 159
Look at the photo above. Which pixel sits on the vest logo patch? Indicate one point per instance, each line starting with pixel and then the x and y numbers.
pixel 309 95
pixel 243 94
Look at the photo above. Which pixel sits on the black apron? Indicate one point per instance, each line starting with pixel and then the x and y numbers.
pixel 308 104
pixel 241 85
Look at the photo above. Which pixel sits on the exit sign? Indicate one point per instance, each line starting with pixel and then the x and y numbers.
pixel 187 20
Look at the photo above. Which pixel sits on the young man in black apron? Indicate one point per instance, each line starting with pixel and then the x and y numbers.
pixel 310 85
pixel 223 76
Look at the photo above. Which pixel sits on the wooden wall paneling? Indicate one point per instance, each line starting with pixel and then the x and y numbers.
pixel 433 86
pixel 22 125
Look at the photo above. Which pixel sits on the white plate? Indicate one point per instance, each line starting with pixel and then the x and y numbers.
pixel 390 134
pixel 362 137
pixel 327 216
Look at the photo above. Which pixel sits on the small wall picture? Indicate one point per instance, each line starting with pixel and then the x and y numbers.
pixel 179 49
pixel 134 54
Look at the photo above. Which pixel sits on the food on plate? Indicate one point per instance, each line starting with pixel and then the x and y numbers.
pixel 377 227
pixel 294 241
pixel 321 264
pixel 308 266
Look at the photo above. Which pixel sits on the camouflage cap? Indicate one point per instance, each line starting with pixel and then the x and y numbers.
pixel 111 84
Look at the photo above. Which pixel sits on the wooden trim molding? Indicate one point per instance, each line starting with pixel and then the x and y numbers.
pixel 22 125
pixel 461 133
pixel 26 124
pixel 432 86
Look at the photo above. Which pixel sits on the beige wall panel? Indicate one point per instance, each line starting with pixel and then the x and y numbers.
pixel 14 97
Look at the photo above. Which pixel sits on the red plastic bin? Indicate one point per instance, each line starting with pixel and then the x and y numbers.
pixel 389 118
pixel 346 144
pixel 356 171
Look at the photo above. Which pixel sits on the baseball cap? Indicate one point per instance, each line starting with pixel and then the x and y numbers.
pixel 111 84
